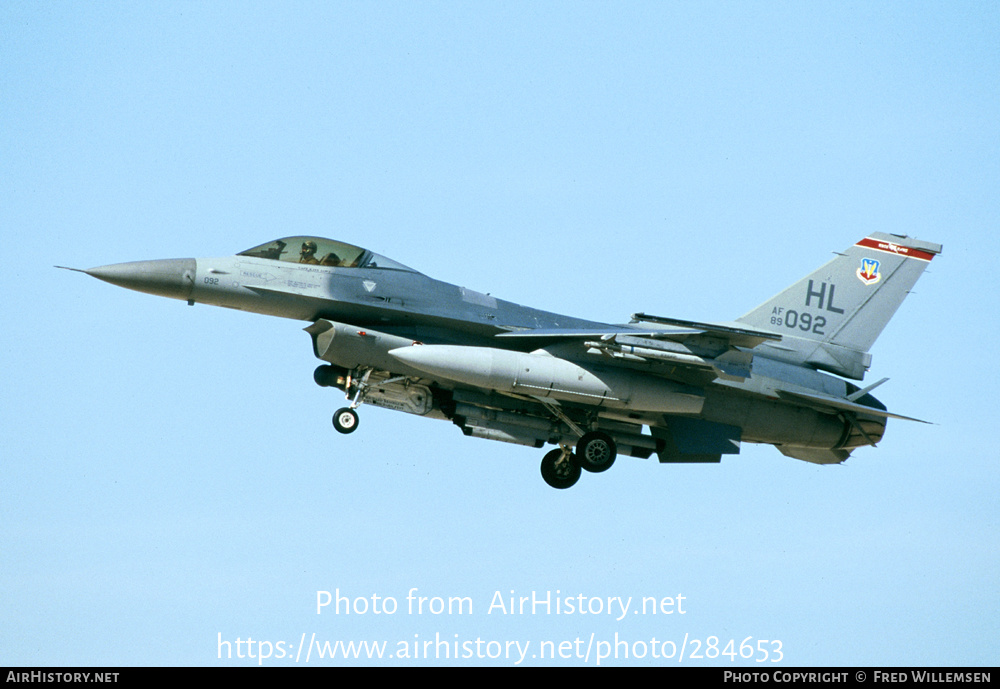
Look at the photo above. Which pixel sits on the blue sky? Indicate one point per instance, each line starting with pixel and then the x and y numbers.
pixel 170 474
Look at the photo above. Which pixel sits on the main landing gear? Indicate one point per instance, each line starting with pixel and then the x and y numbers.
pixel 595 452
pixel 560 468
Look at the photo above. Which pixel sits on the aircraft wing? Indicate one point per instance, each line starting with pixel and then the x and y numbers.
pixel 579 333
pixel 699 348
pixel 676 329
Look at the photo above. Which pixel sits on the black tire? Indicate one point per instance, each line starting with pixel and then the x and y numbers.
pixel 346 420
pixel 596 452
pixel 560 474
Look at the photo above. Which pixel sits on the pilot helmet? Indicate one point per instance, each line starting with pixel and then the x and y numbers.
pixel 309 246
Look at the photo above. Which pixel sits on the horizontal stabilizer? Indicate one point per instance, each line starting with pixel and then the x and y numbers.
pixel 833 405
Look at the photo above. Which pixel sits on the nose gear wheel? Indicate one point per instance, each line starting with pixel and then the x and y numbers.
pixel 345 420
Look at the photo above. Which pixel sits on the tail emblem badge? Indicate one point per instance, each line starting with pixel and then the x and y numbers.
pixel 868 272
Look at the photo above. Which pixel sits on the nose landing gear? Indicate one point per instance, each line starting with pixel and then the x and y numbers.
pixel 345 420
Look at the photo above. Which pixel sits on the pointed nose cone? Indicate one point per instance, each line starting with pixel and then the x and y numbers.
pixel 172 277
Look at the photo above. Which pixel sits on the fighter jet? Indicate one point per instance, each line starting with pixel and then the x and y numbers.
pixel 685 391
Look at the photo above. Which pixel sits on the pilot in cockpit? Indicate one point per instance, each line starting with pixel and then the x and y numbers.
pixel 308 253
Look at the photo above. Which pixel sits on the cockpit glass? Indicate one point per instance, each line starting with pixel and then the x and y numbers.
pixel 321 252
pixel 312 250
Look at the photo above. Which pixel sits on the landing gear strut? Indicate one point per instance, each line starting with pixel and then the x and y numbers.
pixel 595 451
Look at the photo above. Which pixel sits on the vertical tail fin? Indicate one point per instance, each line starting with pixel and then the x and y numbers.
pixel 832 317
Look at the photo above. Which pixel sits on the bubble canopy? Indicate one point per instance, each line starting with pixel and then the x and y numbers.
pixel 322 252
